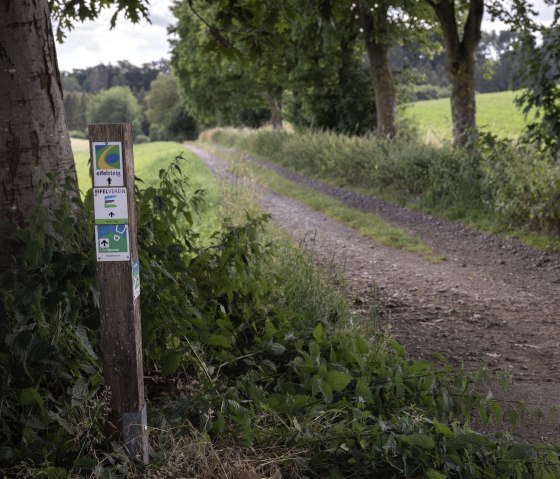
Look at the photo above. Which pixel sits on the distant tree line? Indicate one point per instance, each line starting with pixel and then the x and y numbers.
pixel 147 96
pixel 498 64
pixel 329 87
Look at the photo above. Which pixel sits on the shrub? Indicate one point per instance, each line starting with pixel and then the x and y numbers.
pixel 514 184
pixel 141 139
pixel 81 135
pixel 115 105
pixel 260 344
pixel 525 184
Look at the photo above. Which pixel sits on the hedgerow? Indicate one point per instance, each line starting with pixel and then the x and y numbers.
pixel 509 184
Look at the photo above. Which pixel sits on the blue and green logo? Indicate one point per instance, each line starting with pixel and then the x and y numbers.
pixel 108 157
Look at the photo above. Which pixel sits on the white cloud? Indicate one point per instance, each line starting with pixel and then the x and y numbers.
pixel 92 43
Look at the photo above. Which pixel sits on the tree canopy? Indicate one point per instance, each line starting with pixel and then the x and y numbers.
pixel 115 105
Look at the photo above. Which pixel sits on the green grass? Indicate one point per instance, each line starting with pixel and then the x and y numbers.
pixel 149 158
pixel 496 113
pixel 367 224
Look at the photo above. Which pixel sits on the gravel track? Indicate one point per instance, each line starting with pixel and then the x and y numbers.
pixel 492 302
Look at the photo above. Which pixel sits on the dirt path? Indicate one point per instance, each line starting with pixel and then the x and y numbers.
pixel 492 302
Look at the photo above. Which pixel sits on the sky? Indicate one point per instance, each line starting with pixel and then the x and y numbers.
pixel 92 43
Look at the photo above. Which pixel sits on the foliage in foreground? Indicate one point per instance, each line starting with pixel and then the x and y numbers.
pixel 509 184
pixel 259 349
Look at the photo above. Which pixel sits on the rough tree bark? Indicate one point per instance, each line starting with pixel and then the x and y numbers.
pixel 461 64
pixel 376 37
pixel 33 133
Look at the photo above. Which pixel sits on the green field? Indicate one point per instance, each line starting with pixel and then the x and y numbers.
pixel 496 113
pixel 149 158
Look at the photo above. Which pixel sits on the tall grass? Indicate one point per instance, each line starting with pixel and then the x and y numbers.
pixel 498 185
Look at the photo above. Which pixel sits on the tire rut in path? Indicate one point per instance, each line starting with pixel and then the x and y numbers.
pixel 493 302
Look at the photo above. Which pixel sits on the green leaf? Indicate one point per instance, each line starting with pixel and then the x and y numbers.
pixel 219 425
pixel 31 397
pixel 423 441
pixel 277 349
pixel 81 334
pixel 80 392
pixel 521 452
pixel 219 340
pixel 363 390
pixel 465 439
pixel 170 362
pixel 443 429
pixel 397 347
pixel 319 334
pixel 338 380
pixel 319 385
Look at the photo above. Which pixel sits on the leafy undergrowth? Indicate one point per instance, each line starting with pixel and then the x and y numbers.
pixel 252 347
pixel 498 186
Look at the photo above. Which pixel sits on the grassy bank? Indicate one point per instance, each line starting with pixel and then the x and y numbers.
pixel 149 158
pixel 498 187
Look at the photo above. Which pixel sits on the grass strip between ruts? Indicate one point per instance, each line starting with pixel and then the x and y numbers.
pixel 367 224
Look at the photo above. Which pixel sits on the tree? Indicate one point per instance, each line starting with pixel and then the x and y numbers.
pixel 266 28
pixel 166 113
pixel 541 98
pixel 375 26
pixel 498 64
pixel 33 133
pixel 221 86
pixel 115 105
pixel 330 85
pixel 460 49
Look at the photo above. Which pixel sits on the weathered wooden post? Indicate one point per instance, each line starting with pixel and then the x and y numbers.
pixel 119 282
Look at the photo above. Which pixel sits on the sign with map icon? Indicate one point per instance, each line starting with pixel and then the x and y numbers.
pixel 112 242
pixel 107 164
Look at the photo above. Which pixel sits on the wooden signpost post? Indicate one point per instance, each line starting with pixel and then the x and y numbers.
pixel 119 282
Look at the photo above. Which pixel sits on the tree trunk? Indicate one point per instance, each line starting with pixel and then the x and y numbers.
pixel 461 64
pixel 460 69
pixel 275 113
pixel 33 133
pixel 376 35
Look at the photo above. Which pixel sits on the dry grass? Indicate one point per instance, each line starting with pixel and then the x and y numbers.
pixel 194 456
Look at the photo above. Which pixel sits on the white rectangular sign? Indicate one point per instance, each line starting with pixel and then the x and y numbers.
pixel 110 206
pixel 107 163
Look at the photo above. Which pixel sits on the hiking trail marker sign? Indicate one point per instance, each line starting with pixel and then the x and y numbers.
pixel 110 206
pixel 118 278
pixel 107 160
